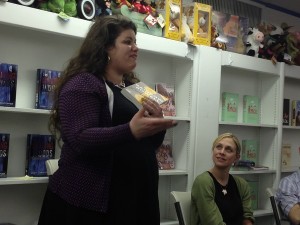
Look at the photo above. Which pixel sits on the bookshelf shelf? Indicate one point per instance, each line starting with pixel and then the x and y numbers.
pixel 23 180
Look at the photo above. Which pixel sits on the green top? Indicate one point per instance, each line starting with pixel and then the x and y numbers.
pixel 203 204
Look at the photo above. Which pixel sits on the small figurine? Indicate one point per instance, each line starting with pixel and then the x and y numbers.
pixel 254 42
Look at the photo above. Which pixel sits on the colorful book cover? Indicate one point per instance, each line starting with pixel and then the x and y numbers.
pixel 250 150
pixel 232 30
pixel 296 113
pixel 286 112
pixel 136 92
pixel 45 85
pixel 39 149
pixel 251 109
pixel 168 91
pixel 253 185
pixel 230 102
pixel 4 148
pixel 8 84
pixel 286 156
pixel 164 156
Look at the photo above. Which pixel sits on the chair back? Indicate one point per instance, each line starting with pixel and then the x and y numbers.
pixel 51 166
pixel 182 203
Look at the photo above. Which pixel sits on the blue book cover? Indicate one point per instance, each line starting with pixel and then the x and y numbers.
pixel 39 149
pixel 4 148
pixel 45 85
pixel 8 84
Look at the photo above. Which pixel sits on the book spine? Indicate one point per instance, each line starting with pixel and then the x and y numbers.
pixel 294 103
pixel 4 150
pixel 286 112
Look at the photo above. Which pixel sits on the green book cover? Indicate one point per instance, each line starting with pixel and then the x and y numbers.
pixel 230 102
pixel 250 150
pixel 254 194
pixel 251 108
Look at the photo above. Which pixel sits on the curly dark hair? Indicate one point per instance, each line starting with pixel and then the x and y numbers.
pixel 91 58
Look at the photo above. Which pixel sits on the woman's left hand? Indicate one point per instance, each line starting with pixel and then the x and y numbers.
pixel 152 108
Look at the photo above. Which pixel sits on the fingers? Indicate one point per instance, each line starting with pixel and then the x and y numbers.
pixel 152 108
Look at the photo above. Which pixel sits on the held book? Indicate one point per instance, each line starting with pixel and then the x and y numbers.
pixel 251 109
pixel 45 84
pixel 168 91
pixel 136 92
pixel 39 149
pixel 286 112
pixel 296 113
pixel 8 84
pixel 230 102
pixel 250 150
pixel 164 156
pixel 4 148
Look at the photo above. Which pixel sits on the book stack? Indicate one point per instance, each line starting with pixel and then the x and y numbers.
pixel 251 109
pixel 8 84
pixel 164 156
pixel 4 148
pixel 39 149
pixel 45 84
pixel 230 102
pixel 168 91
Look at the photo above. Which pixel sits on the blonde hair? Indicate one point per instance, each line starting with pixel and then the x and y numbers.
pixel 228 135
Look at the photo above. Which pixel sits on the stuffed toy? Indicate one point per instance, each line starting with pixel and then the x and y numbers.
pixel 103 7
pixel 254 42
pixel 187 35
pixel 214 42
pixel 174 17
pixel 57 6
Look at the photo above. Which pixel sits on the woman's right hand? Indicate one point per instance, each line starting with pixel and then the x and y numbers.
pixel 142 126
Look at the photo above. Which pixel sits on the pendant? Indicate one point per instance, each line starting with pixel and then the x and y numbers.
pixel 224 192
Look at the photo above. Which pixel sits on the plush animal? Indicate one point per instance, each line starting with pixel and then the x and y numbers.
pixel 59 6
pixel 254 42
pixel 214 42
pixel 187 35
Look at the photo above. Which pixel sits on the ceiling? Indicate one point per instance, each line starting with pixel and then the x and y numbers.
pixel 288 6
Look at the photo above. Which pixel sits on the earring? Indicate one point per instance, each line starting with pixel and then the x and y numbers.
pixel 108 58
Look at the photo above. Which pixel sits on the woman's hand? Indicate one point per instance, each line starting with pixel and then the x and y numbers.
pixel 143 126
pixel 152 108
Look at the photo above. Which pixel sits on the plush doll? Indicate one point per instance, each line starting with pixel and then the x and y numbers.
pixel 254 42
pixel 187 35
pixel 214 42
pixel 58 6
pixel 174 17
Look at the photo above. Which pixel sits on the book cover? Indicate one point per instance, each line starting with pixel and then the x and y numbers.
pixel 45 85
pixel 164 156
pixel 286 112
pixel 253 185
pixel 250 150
pixel 4 148
pixel 8 84
pixel 286 156
pixel 251 109
pixel 296 113
pixel 232 30
pixel 230 102
pixel 39 149
pixel 168 91
pixel 136 92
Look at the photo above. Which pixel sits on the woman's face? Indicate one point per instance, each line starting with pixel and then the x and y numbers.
pixel 224 153
pixel 123 55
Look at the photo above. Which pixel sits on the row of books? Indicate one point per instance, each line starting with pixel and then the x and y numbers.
pixel 230 108
pixel 39 149
pixel 291 112
pixel 45 83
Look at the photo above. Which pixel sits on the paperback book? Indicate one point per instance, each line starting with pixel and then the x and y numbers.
pixel 39 149
pixel 230 102
pixel 164 156
pixel 286 156
pixel 251 109
pixel 286 112
pixel 8 84
pixel 254 193
pixel 168 91
pixel 4 148
pixel 136 92
pixel 45 85
pixel 250 150
pixel 296 113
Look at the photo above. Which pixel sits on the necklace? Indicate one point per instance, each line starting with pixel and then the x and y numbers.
pixel 121 85
pixel 224 191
